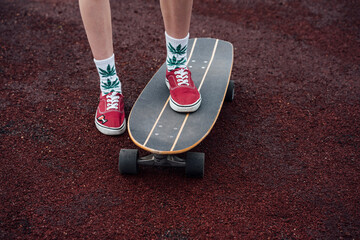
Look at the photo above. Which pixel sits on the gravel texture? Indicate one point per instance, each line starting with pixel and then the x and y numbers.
pixel 282 161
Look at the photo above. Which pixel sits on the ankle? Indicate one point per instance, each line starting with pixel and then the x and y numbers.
pixel 109 81
pixel 176 52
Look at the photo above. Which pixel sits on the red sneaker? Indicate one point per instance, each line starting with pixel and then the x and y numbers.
pixel 184 95
pixel 110 115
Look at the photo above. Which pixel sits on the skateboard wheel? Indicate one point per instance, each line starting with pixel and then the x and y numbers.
pixel 128 161
pixel 230 92
pixel 195 164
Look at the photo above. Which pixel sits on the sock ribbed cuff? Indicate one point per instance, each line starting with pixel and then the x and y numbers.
pixel 168 37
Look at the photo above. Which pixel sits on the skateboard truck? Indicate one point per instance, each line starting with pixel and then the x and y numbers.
pixel 193 164
pixel 162 160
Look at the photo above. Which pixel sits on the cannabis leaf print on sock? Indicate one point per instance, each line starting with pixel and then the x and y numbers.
pixel 174 62
pixel 178 50
pixel 177 59
pixel 110 85
pixel 109 72
pixel 109 81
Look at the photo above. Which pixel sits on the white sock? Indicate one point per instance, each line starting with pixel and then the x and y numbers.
pixel 176 52
pixel 109 81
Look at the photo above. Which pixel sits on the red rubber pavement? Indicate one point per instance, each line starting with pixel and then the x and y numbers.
pixel 282 161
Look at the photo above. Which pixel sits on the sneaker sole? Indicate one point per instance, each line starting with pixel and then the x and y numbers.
pixel 183 108
pixel 111 131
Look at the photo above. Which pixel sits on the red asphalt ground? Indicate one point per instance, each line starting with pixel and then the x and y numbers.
pixel 282 160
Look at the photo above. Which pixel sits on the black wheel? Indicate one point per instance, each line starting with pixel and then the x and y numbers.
pixel 230 91
pixel 128 161
pixel 195 164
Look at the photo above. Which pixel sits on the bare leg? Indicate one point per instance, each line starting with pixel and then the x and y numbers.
pixel 110 115
pixel 177 16
pixel 184 96
pixel 96 16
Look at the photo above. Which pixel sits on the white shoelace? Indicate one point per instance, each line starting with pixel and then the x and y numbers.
pixel 182 77
pixel 112 101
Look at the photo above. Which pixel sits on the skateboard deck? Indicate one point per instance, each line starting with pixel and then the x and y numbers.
pixel 155 127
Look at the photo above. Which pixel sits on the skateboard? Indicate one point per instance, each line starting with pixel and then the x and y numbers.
pixel 166 134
